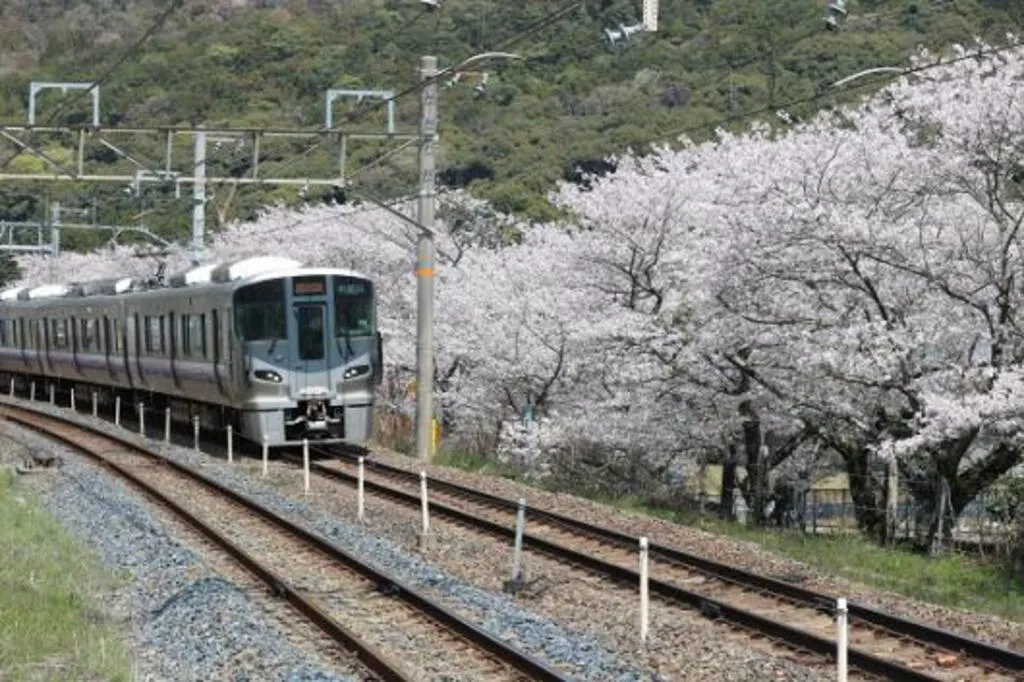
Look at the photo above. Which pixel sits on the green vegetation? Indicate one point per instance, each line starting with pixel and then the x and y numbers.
pixel 574 101
pixel 48 628
pixel 951 579
pixel 474 462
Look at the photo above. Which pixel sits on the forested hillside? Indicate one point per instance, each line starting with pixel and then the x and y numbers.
pixel 575 100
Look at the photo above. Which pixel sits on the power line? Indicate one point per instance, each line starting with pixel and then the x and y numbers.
pixel 980 54
pixel 360 113
pixel 107 73
pixel 357 115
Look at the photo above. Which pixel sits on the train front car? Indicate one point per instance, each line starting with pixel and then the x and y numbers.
pixel 311 355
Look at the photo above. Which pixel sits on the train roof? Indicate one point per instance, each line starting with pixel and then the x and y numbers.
pixel 230 274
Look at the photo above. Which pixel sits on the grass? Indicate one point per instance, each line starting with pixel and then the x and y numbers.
pixel 951 579
pixel 48 582
pixel 459 459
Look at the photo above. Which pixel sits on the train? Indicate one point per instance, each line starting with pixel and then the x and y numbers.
pixel 282 352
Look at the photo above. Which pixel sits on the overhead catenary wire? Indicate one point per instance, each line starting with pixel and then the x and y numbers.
pixel 107 73
pixel 521 35
pixel 362 112
pixel 909 71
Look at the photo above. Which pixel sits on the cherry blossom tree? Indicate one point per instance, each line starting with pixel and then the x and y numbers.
pixel 857 271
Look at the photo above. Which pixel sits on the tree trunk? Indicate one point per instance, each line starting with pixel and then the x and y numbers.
pixel 756 475
pixel 964 485
pixel 726 508
pixel 867 493
pixel 1017 556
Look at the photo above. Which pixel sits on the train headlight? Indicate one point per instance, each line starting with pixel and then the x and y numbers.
pixel 268 375
pixel 357 371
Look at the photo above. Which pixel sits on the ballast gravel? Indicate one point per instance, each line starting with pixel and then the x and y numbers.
pixel 536 635
pixel 184 622
pixel 575 652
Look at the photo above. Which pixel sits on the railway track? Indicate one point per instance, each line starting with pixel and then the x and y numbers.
pixel 395 631
pixel 881 644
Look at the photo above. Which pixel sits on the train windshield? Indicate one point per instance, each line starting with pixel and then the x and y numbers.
pixel 259 311
pixel 311 331
pixel 353 307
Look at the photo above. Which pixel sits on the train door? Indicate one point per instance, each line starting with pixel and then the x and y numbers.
pixel 308 327
pixel 309 355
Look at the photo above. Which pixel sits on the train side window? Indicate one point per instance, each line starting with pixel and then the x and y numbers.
pixel 88 334
pixel 3 332
pixel 163 337
pixel 204 353
pixel 106 335
pixel 118 341
pixel 151 335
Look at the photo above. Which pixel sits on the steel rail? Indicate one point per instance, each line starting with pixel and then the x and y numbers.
pixel 386 583
pixel 707 606
pixel 984 652
pixel 368 654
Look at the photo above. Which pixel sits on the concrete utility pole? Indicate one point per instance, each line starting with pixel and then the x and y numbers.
pixel 425 264
pixel 55 228
pixel 199 200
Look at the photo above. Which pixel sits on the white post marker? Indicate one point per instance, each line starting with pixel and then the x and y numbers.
pixel 424 504
pixel 644 593
pixel 142 419
pixel 266 453
pixel 167 424
pixel 359 492
pixel 117 411
pixel 72 398
pixel 53 399
pixel 195 432
pixel 231 449
pixel 515 582
pixel 305 465
pixel 841 639
pixel 12 387
pixel 32 392
pixel 94 408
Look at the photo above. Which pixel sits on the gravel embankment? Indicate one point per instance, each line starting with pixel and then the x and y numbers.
pixel 682 645
pixel 536 634
pixel 184 622
pixel 747 555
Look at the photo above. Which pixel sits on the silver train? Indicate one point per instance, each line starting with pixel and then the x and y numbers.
pixel 279 351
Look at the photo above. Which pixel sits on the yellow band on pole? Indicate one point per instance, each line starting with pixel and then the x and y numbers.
pixel 424 272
